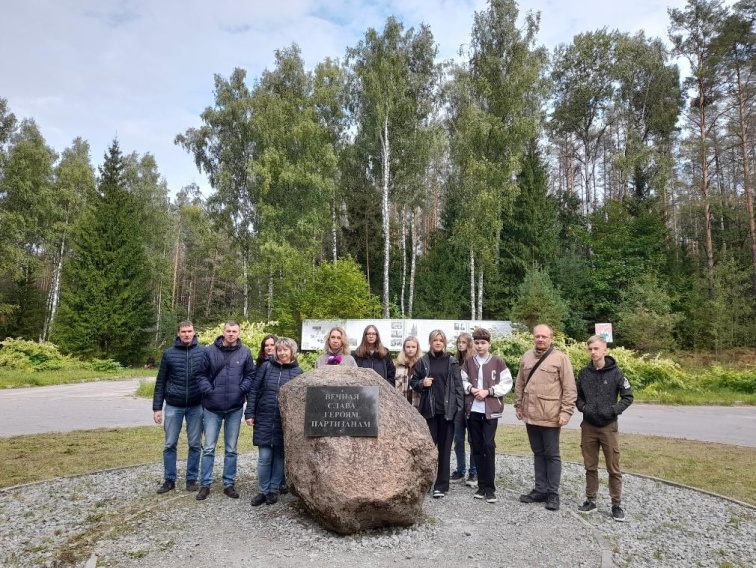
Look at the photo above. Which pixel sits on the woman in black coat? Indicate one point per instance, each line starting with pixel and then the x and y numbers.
pixel 264 414
pixel 371 354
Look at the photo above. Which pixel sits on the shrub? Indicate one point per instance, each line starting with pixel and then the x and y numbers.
pixel 738 381
pixel 31 356
pixel 251 334
pixel 641 370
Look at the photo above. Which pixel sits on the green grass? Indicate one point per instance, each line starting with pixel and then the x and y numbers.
pixel 719 397
pixel 18 379
pixel 146 389
pixel 720 468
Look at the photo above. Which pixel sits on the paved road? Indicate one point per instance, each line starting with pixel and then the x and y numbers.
pixel 81 406
pixel 110 404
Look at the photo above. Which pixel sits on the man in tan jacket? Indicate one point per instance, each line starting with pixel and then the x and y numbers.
pixel 545 396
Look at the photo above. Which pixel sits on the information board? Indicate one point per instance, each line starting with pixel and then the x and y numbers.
pixel 393 331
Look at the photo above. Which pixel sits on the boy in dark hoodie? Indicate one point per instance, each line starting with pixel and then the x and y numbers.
pixel 599 385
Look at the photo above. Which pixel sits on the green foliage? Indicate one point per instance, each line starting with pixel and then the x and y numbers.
pixel 441 283
pixel 645 319
pixel 332 290
pixel 31 356
pixel 105 308
pixel 251 333
pixel 538 301
pixel 739 381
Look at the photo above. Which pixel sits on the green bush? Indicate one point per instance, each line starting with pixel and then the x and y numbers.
pixel 31 356
pixel 251 333
pixel 643 371
pixel 105 365
pixel 738 381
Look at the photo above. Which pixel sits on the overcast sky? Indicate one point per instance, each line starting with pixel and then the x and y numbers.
pixel 143 69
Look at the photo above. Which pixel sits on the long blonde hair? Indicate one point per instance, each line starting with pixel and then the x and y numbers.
pixel 402 358
pixel 344 340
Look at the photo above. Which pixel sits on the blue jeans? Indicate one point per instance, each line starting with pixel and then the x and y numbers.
pixel 270 468
pixel 231 424
pixel 173 419
pixel 459 450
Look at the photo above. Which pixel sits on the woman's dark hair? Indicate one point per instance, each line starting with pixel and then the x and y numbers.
pixel 261 358
pixel 362 350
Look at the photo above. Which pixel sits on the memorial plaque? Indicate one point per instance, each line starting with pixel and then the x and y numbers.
pixel 341 411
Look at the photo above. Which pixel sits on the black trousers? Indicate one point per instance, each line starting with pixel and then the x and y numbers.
pixel 442 432
pixel 547 463
pixel 483 442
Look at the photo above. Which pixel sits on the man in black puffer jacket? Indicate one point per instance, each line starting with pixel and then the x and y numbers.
pixel 224 378
pixel 599 385
pixel 176 386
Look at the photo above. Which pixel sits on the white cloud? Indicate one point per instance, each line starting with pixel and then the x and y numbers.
pixel 144 69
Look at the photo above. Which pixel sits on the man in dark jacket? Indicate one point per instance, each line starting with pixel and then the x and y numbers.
pixel 176 386
pixel 224 378
pixel 599 385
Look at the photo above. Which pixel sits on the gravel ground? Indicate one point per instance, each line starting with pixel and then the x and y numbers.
pixel 117 516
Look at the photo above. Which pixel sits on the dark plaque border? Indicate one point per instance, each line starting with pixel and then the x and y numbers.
pixel 341 411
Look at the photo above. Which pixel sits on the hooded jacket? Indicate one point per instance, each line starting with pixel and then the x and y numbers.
pixel 176 383
pixel 598 390
pixel 225 391
pixel 262 402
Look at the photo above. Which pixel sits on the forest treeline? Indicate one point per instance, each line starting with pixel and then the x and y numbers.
pixel 593 183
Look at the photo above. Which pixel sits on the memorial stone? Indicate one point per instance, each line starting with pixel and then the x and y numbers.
pixel 355 481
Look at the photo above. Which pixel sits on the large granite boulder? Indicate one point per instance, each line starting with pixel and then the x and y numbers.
pixel 354 483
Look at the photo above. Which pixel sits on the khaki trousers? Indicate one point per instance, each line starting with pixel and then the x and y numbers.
pixel 607 438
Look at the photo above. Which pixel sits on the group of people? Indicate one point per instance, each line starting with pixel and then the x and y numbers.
pixel 207 387
pixel 456 394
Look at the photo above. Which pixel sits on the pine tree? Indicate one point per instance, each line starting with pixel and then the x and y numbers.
pixel 106 308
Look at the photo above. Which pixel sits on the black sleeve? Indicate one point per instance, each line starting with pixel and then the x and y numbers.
pixel 418 374
pixel 626 395
pixel 162 378
pixel 390 370
pixel 580 394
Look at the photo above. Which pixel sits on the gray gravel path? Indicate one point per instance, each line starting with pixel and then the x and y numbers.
pixel 117 516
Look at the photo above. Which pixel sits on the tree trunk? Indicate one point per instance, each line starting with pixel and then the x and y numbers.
pixel 413 258
pixel 480 293
pixel 367 253
pixel 270 295
pixel 245 283
pixel 176 258
pixel 746 173
pixel 159 313
pixel 386 161
pixel 705 188
pixel 472 285
pixel 334 228
pixel 404 257
pixel 53 297
pixel 212 284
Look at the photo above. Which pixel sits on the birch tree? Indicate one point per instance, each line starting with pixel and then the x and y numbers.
pixel 391 72
pixel 74 188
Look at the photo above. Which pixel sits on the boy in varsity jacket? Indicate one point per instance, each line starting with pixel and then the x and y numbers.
pixel 599 384
pixel 485 380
